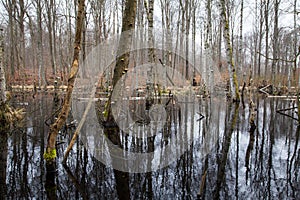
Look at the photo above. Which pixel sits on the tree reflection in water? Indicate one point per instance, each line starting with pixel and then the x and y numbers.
pixel 264 164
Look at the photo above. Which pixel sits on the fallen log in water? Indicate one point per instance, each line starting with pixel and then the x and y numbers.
pixel 31 88
pixel 283 96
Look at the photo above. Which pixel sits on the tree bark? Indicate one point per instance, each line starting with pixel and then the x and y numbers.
pixel 42 75
pixel 123 53
pixel 275 40
pixel 151 55
pixel 240 48
pixel 10 5
pixel 2 73
pixel 208 47
pixel 50 23
pixel 21 17
pixel 261 22
pixel 267 3
pixel 50 154
pixel 234 89
pixel 295 42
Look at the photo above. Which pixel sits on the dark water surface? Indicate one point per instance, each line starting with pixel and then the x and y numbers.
pixel 264 164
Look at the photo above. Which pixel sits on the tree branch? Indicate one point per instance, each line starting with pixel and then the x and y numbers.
pixel 280 59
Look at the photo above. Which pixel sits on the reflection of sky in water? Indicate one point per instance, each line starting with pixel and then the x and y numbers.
pixel 25 172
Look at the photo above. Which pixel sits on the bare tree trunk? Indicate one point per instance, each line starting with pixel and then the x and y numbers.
pixel 275 40
pixel 42 75
pixel 261 22
pixel 122 61
pixel 220 44
pixel 2 72
pixel 295 40
pixel 208 47
pixel 54 28
pixel 128 24
pixel 50 154
pixel 50 23
pixel 181 34
pixel 240 52
pixel 151 55
pixel 194 42
pixel 267 35
pixel 10 7
pixel 32 40
pixel 166 22
pixel 150 10
pixel 22 33
pixel 187 33
pixel 234 89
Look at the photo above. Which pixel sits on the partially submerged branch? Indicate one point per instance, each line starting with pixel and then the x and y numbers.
pixel 80 125
pixel 282 112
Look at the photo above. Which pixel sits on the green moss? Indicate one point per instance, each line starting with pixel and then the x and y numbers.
pixel 105 112
pixel 50 156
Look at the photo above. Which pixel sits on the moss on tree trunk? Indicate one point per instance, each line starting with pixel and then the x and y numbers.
pixel 50 153
pixel 234 87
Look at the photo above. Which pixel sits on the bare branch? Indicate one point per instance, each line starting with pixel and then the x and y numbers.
pixel 280 59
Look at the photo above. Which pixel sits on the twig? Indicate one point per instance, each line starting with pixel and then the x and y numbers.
pixel 161 62
pixel 52 115
pixel 263 90
pixel 287 109
pixel 201 116
pixel 242 96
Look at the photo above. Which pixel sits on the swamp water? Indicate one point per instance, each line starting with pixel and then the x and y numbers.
pixel 235 163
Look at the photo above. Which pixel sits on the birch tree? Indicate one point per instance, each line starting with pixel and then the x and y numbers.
pixel 208 46
pixel 234 89
pixel 151 54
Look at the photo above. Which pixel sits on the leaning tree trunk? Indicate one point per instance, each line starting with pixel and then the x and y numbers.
pixel 123 53
pixel 128 26
pixel 50 154
pixel 234 89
